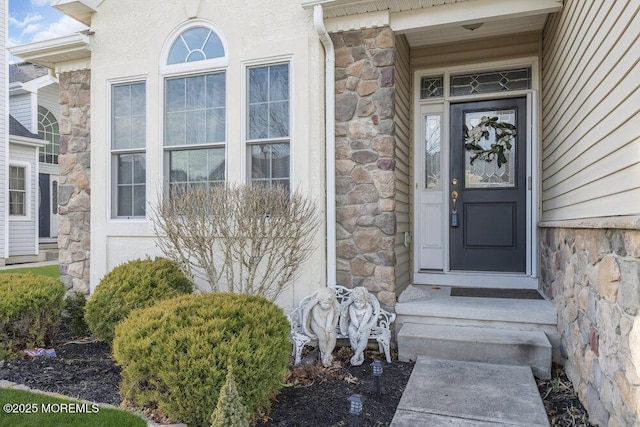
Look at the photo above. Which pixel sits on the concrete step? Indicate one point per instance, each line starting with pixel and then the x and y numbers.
pixel 497 313
pixel 465 394
pixel 474 344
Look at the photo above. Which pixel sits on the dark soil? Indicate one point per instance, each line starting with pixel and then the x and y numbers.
pixel 314 396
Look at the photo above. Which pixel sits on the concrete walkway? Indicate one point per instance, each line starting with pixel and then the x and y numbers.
pixel 469 394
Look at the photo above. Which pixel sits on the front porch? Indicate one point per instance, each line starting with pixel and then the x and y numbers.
pixel 395 181
pixel 510 327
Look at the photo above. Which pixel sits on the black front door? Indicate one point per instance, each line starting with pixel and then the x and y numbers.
pixel 487 229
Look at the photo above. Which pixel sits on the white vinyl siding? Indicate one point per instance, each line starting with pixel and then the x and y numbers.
pixel 3 130
pixel 591 111
pixel 20 109
pixel 403 136
pixel 22 229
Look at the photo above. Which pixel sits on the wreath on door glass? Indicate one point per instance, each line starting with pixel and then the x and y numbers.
pixel 504 134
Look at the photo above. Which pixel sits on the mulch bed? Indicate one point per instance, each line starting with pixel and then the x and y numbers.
pixel 314 396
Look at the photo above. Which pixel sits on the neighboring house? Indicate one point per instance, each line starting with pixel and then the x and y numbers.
pixel 362 104
pixel 33 101
pixel 18 176
pixel 22 202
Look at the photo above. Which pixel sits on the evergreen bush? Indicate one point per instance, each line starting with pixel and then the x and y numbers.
pixel 134 284
pixel 175 354
pixel 230 412
pixel 74 308
pixel 30 308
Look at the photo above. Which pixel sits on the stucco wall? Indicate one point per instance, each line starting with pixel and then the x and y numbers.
pixel 127 46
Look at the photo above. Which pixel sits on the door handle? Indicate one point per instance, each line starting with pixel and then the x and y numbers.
pixel 454 208
pixel 454 201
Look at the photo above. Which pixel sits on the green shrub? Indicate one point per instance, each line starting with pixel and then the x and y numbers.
pixel 74 308
pixel 175 354
pixel 30 308
pixel 134 284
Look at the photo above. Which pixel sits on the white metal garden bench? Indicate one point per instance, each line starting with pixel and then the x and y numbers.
pixel 381 332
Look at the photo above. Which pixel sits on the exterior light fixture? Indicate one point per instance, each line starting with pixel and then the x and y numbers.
pixel 355 408
pixel 377 373
pixel 472 27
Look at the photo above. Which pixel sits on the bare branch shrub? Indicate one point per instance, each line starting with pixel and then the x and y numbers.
pixel 249 239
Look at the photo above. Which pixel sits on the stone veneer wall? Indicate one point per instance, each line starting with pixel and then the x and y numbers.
pixel 593 278
pixel 365 161
pixel 74 190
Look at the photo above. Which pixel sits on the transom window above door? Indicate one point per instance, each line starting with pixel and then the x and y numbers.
pixel 475 83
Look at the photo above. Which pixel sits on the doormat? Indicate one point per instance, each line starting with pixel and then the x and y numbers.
pixel 496 293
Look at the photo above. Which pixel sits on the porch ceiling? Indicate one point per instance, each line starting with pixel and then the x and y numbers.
pixel 430 22
pixel 454 33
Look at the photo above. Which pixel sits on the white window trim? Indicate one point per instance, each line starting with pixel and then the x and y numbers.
pixel 109 183
pixel 28 192
pixel 244 119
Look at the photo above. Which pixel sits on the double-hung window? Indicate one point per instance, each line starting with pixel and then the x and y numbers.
pixel 17 190
pixel 268 124
pixel 128 155
pixel 195 110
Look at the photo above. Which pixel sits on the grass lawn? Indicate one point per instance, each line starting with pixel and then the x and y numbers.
pixel 49 411
pixel 47 270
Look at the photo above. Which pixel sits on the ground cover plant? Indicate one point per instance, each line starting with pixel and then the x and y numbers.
pixel 175 354
pixel 30 308
pixel 134 284
pixel 34 409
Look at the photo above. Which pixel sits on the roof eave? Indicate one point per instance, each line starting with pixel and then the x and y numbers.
pixel 80 10
pixel 48 53
pixel 28 142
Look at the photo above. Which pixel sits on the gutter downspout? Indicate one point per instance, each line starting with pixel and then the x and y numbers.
pixel 330 154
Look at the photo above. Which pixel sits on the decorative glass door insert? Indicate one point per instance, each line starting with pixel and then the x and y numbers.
pixel 483 174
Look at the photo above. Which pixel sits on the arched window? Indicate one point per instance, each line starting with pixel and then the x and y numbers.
pixel 48 130
pixel 195 44
pixel 195 113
